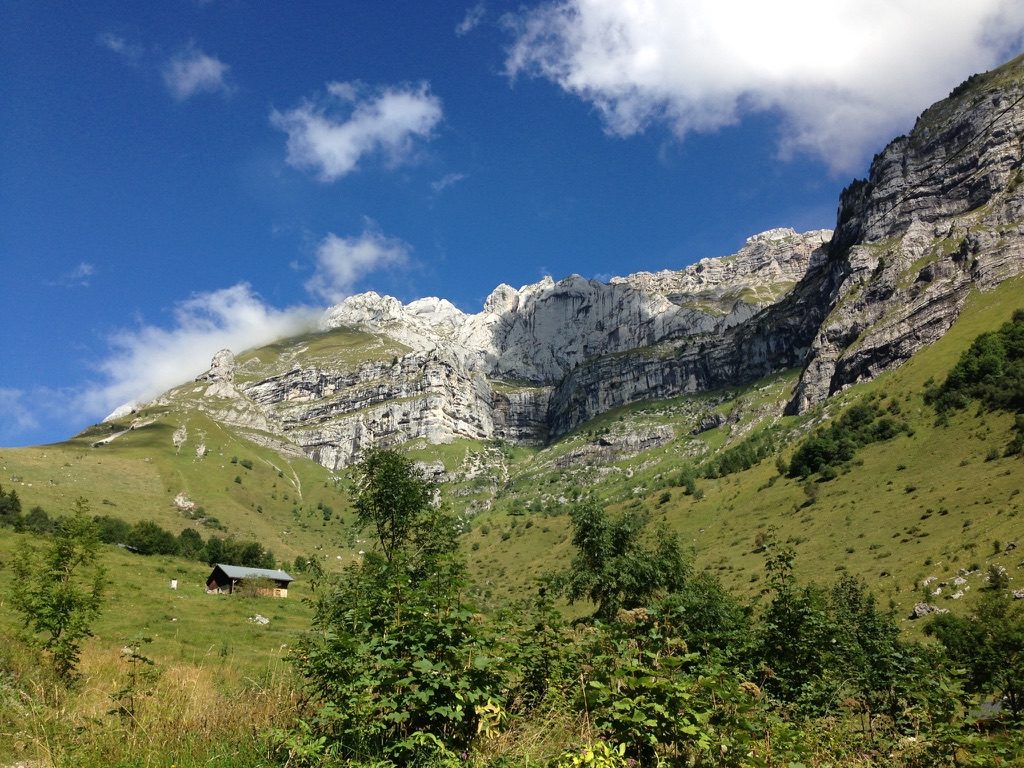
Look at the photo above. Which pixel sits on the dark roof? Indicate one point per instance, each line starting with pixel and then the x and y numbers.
pixel 245 572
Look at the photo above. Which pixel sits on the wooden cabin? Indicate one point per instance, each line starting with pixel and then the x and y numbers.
pixel 225 579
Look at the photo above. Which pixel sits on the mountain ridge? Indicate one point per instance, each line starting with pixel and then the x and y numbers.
pixel 941 213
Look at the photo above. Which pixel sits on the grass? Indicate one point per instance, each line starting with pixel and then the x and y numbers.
pixel 916 506
pixel 923 505
pixel 928 504
pixel 221 681
pixel 137 477
pixel 338 348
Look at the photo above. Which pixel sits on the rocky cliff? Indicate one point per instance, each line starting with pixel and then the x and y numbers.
pixel 941 214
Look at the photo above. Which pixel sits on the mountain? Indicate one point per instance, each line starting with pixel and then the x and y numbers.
pixel 428 371
pixel 627 388
pixel 939 215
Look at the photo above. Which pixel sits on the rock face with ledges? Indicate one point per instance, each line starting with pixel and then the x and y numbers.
pixel 941 214
pixel 503 373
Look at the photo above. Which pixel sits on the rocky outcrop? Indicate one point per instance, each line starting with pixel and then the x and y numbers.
pixel 941 214
pixel 541 332
pixel 613 447
pixel 221 376
pixel 502 373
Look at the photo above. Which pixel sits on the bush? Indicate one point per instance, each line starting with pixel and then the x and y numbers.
pixel 991 372
pixel 838 443
pixel 396 667
pixel 58 591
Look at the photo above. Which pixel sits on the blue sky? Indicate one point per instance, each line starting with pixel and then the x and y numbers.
pixel 180 176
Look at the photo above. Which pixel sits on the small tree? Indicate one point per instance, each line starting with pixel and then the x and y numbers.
pixel 989 643
pixel 58 591
pixel 395 665
pixel 396 501
pixel 614 566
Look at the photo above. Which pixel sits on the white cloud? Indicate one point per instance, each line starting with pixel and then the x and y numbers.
pixel 332 136
pixel 146 361
pixel 79 276
pixel 446 181
pixel 842 75
pixel 16 415
pixel 191 71
pixel 342 261
pixel 119 45
pixel 471 20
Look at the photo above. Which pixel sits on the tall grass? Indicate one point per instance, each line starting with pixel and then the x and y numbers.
pixel 202 714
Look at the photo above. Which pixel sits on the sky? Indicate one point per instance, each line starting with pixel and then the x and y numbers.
pixel 184 176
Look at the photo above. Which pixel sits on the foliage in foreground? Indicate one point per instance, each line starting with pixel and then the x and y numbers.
pixel 58 591
pixel 671 670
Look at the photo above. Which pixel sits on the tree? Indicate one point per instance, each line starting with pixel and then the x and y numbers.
pixel 148 538
pixel 37 521
pixel 215 551
pixel 396 666
pixel 112 530
pixel 58 591
pixel 10 509
pixel 191 544
pixel 394 499
pixel 613 566
pixel 989 643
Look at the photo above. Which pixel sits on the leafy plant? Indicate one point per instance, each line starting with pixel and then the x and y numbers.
pixel 614 566
pixel 58 591
pixel 396 665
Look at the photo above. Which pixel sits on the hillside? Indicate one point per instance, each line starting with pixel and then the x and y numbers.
pixel 622 389
pixel 925 504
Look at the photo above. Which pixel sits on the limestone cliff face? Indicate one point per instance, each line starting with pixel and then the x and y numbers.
pixel 503 373
pixel 941 214
pixel 541 332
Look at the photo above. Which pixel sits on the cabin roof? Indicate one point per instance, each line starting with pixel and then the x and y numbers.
pixel 245 572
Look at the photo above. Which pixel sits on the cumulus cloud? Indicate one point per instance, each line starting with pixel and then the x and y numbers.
pixel 332 135
pixel 842 76
pixel 471 20
pixel 145 361
pixel 342 261
pixel 190 72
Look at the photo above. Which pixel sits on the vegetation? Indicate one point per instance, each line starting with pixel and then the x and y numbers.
pixel 612 566
pixel 442 633
pixel 144 537
pixel 989 644
pixel 396 667
pixel 830 446
pixel 990 371
pixel 742 456
pixel 58 591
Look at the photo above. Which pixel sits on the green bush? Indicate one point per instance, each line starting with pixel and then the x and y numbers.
pixel 838 442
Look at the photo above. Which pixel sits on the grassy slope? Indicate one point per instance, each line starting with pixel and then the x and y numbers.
pixel 917 506
pixel 186 625
pixel 221 680
pixel 921 505
pixel 137 476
